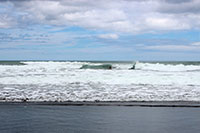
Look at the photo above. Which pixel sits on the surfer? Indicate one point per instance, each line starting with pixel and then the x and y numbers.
pixel 133 67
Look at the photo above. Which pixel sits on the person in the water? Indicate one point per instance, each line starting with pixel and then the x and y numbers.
pixel 133 67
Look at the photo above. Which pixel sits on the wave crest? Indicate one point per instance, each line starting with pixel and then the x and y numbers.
pixel 104 66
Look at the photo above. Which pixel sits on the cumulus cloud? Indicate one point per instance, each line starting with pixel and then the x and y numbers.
pixel 166 23
pixel 108 36
pixel 133 16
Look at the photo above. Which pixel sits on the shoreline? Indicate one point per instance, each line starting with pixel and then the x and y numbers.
pixel 193 104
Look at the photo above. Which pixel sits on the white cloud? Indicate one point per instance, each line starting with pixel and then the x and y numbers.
pixel 165 23
pixel 108 36
pixel 196 44
pixel 133 16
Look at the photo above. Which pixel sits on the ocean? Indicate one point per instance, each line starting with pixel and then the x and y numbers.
pixel 99 81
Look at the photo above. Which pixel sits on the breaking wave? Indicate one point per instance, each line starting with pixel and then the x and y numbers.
pixel 167 67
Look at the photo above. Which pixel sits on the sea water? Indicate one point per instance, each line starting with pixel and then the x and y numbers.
pixel 65 81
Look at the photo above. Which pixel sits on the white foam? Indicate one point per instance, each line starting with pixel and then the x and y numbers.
pixel 50 81
pixel 167 67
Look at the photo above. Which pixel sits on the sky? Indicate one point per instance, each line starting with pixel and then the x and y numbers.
pixel 151 30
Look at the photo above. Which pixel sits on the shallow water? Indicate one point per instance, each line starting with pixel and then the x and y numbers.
pixel 43 118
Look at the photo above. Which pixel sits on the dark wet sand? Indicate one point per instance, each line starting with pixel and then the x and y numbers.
pixel 47 118
pixel 192 104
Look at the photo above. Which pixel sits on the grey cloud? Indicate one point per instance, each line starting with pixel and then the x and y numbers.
pixel 177 1
pixel 6 21
pixel 178 6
